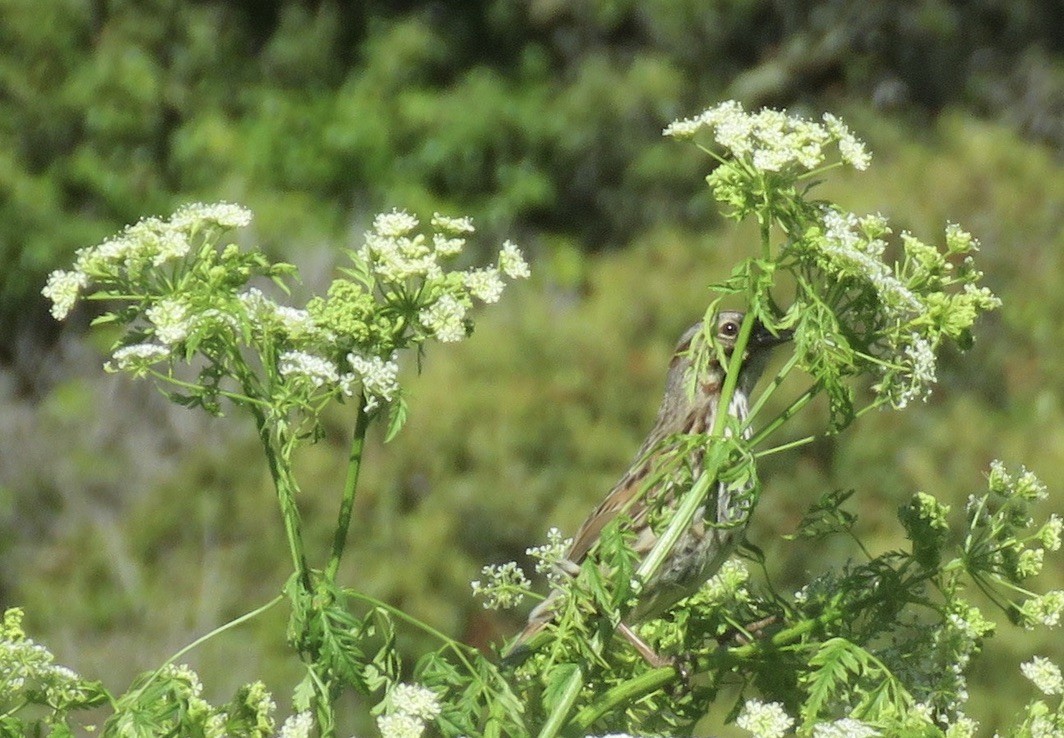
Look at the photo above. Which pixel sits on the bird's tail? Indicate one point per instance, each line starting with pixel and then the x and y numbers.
pixel 524 644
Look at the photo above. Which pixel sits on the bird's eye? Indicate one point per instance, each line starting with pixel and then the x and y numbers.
pixel 730 329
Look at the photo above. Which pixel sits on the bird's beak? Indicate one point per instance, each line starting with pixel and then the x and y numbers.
pixel 761 337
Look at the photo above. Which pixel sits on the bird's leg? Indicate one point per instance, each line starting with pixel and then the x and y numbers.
pixel 656 660
pixel 649 654
pixel 747 634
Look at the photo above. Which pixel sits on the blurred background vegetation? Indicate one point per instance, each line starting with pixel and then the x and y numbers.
pixel 128 527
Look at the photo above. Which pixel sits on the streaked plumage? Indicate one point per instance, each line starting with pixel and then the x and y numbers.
pixel 704 547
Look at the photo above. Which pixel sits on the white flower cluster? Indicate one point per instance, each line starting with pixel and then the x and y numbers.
pixel 27 665
pixel 771 140
pixel 297 726
pixel 295 323
pixel 961 726
pixel 221 214
pixel 63 288
pixel 1044 674
pixel 503 587
pixel 955 642
pixel 170 320
pixel 512 262
pixel 854 248
pixel 1045 609
pixel 395 254
pixel 550 557
pixel 137 358
pixel 316 370
pixel 379 378
pixel 1025 485
pixel 845 728
pixel 1049 535
pixel 851 248
pixel 764 719
pixel 409 708
pixel 445 319
pixel 151 241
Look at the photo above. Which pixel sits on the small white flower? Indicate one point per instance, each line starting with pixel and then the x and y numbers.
pixel 550 557
pixel 296 322
pixel 394 224
pixel 137 358
pixel 512 262
pixel 454 226
pixel 184 673
pixel 1045 726
pixel 167 244
pixel 1044 674
pixel 1043 610
pixel 380 378
pixel 764 719
pixel 999 481
pixel 1049 536
pixel 445 319
pixel 416 701
pixel 851 148
pixel 504 586
pixel 396 258
pixel 317 370
pixel 683 129
pixel 106 257
pixel 845 728
pixel 960 241
pixel 260 701
pixel 1029 562
pixel 297 726
pixel 170 318
pixel 1029 487
pixel 400 726
pixel 445 246
pixel 62 289
pixel 962 727
pixel 484 284
pixel 223 214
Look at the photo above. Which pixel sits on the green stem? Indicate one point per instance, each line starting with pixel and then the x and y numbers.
pixel 285 485
pixel 623 693
pixel 347 504
pixel 203 638
pixel 789 412
pixel 785 446
pixel 765 222
pixel 566 699
pixel 652 681
pixel 454 645
pixel 772 387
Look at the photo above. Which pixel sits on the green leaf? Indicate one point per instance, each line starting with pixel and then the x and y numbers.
pixel 826 517
pixel 303 694
pixel 397 414
pixel 557 680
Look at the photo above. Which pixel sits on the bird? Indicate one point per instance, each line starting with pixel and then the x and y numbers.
pixel 689 406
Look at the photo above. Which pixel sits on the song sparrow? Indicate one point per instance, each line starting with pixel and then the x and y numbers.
pixel 684 410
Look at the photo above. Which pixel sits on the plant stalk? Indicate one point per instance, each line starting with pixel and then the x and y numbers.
pixel 347 503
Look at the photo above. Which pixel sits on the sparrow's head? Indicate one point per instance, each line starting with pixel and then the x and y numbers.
pixel 729 322
pixel 755 357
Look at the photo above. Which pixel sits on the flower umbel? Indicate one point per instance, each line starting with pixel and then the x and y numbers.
pixel 764 719
pixel 503 586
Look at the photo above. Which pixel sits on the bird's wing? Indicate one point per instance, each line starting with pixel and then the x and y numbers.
pixel 618 500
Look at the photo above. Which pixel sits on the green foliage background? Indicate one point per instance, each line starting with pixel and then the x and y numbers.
pixel 128 527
